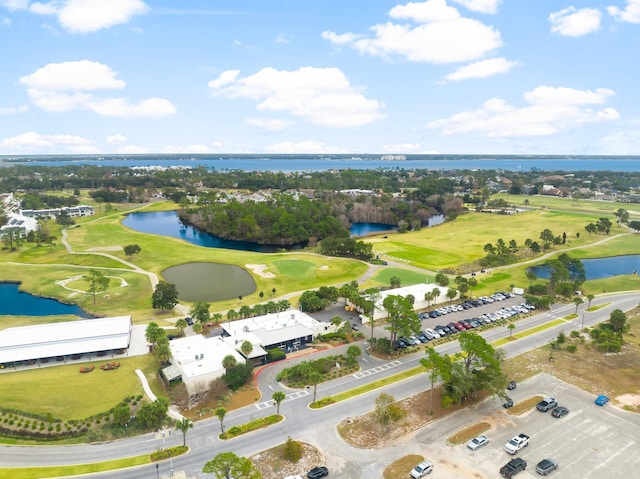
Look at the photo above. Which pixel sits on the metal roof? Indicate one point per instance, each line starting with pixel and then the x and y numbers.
pixel 60 339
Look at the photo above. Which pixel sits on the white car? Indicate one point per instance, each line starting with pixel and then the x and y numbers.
pixel 477 442
pixel 421 470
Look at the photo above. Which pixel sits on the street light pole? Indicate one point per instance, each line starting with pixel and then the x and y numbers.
pixel 157 473
pixel 582 320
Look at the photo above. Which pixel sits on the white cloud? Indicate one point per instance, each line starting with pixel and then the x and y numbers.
pixel 284 38
pixel 116 139
pixel 132 150
pixel 401 147
pixel 323 96
pixel 630 14
pixel 13 110
pixel 341 39
pixel 226 78
pixel 482 6
pixel 302 147
pixel 5 22
pixel 441 35
pixel 271 125
pixel 482 69
pixel 74 75
pixel 61 87
pixel 575 23
pixel 15 4
pixel 31 140
pixel 620 143
pixel 88 16
pixel 186 149
pixel 551 110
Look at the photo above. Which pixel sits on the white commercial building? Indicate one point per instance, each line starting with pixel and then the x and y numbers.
pixel 18 225
pixel 288 330
pixel 199 360
pixel 73 339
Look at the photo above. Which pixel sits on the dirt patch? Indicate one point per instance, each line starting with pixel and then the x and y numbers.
pixel 616 375
pixel 260 270
pixel 273 465
pixel 366 432
pixel 469 433
pixel 631 400
pixel 402 467
pixel 106 248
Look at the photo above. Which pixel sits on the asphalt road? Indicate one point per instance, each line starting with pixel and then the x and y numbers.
pixel 314 426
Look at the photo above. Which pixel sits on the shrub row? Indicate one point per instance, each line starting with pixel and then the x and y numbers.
pixel 251 426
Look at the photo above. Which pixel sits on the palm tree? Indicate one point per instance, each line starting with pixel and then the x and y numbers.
pixel 511 327
pixel 184 425
pixel 590 297
pixel 228 362
pixel 221 412
pixel 246 347
pixel 315 378
pixel 577 302
pixel 278 397
pixel 181 324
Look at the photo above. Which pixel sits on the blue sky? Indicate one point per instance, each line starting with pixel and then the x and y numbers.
pixel 311 76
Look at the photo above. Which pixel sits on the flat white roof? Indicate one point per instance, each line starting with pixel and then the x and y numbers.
pixel 60 339
pixel 197 355
pixel 275 328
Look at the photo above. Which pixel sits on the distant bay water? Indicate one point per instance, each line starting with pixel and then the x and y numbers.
pixel 290 163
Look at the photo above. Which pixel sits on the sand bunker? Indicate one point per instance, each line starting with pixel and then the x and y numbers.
pixel 259 269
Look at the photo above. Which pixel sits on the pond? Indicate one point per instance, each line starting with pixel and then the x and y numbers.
pixel 167 223
pixel 599 268
pixel 209 281
pixel 14 302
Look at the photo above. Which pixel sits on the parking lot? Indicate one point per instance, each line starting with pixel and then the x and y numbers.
pixel 590 442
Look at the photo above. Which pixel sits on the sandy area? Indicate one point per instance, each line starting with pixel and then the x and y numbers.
pixel 259 269
pixel 632 400
pixel 105 248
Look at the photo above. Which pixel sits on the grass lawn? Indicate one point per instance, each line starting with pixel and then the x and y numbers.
pixel 603 208
pixel 67 394
pixel 463 240
pixel 402 467
pixel 407 276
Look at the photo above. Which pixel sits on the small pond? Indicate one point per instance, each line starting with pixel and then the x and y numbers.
pixel 209 281
pixel 14 302
pixel 599 268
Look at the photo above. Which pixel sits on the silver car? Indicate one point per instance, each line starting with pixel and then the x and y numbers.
pixel 477 442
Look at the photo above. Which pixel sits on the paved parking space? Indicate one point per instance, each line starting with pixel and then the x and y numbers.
pixel 590 442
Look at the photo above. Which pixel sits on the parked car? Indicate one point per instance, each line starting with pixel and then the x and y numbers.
pixel 546 404
pixel 355 327
pixel 602 400
pixel 516 443
pixel 318 472
pixel 421 470
pixel 560 411
pixel 511 386
pixel 189 321
pixel 546 466
pixel 507 403
pixel 477 442
pixel 513 467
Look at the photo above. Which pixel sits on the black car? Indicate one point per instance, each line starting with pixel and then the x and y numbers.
pixel 507 403
pixel 560 411
pixel 318 472
pixel 511 386
pixel 189 321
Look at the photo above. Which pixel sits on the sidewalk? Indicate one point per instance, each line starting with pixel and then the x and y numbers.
pixel 145 385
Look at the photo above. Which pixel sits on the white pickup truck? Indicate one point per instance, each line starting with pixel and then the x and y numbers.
pixel 516 443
